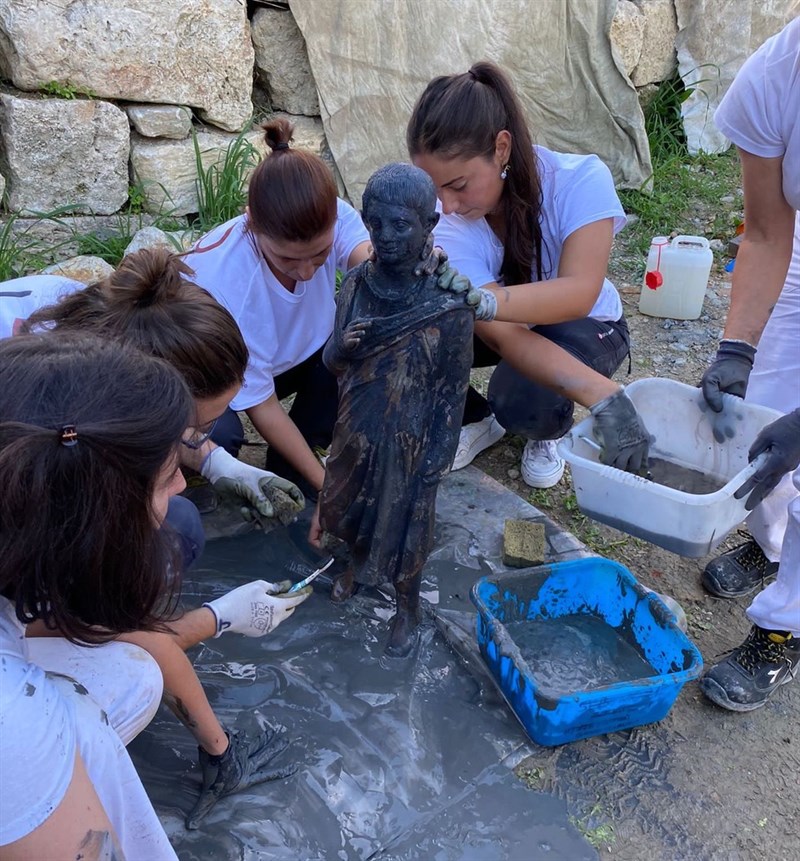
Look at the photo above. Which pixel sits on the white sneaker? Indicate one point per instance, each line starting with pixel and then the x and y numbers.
pixel 541 466
pixel 474 439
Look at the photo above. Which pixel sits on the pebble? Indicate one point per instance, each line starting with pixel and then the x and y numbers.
pixel 728 198
pixel 716 245
pixel 513 473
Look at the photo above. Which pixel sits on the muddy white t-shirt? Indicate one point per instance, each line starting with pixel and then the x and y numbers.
pixel 20 297
pixel 281 328
pixel 576 190
pixel 40 731
pixel 760 112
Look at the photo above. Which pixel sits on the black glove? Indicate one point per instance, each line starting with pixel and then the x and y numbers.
pixel 781 442
pixel 242 765
pixel 621 433
pixel 729 372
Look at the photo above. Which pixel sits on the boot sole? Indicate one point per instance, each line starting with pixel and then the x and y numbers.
pixel 716 693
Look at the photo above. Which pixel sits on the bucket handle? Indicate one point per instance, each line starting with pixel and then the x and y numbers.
pixel 700 241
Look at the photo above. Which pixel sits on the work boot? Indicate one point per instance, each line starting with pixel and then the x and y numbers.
pixel 738 572
pixel 749 676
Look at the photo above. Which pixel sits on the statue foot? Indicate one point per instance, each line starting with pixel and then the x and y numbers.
pixel 402 636
pixel 344 587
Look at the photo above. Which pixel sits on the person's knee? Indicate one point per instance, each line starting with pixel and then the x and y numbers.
pixel 228 432
pixel 184 520
pixel 525 408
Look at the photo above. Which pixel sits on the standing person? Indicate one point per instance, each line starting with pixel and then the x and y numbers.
pixel 759 359
pixel 535 227
pixel 274 269
pixel 89 435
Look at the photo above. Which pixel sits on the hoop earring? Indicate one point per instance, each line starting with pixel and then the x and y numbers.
pixel 504 171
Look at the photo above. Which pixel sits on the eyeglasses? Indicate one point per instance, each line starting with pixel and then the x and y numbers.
pixel 199 435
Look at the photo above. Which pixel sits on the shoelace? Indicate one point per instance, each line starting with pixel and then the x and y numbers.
pixel 758 648
pixel 752 556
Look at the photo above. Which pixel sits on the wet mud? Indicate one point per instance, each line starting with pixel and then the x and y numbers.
pixel 683 478
pixel 397 759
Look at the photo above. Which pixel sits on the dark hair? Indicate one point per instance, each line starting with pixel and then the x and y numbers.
pixel 402 183
pixel 460 116
pixel 292 194
pixel 78 543
pixel 149 303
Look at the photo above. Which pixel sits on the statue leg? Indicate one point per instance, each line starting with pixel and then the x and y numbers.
pixel 406 618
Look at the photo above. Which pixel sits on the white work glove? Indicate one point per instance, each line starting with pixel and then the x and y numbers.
pixel 256 608
pixel 269 494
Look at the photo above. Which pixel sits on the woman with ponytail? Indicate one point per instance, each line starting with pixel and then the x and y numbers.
pixel 535 227
pixel 274 269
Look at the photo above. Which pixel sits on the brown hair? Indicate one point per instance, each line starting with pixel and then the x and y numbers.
pixel 460 116
pixel 292 194
pixel 87 425
pixel 148 302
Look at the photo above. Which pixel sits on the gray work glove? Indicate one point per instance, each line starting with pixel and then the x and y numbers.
pixel 256 608
pixel 728 372
pixel 269 494
pixel 621 433
pixel 244 764
pixel 781 442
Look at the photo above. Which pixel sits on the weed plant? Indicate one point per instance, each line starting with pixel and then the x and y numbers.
pixel 222 186
pixel 679 182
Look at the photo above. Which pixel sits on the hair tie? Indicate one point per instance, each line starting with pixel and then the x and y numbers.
pixel 472 75
pixel 281 145
pixel 68 436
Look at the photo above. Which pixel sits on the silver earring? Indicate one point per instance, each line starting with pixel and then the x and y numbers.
pixel 504 171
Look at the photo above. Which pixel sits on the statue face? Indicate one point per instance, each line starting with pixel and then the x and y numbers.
pixel 397 232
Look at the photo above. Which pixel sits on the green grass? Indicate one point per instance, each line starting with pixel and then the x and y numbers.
pixel 222 186
pixel 681 186
pixel 20 254
pixel 66 90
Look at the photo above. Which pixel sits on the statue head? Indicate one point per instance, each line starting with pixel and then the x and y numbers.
pixel 399 211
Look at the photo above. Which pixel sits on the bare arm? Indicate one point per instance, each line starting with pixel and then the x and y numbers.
pixel 78 828
pixel 183 692
pixel 546 363
pixel 272 422
pixel 766 249
pixel 570 296
pixel 359 254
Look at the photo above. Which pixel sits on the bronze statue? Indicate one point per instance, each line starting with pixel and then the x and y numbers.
pixel 402 350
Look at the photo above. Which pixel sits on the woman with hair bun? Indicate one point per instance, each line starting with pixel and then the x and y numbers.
pixel 274 269
pixel 535 227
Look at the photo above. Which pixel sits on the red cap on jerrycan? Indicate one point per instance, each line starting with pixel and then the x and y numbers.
pixel 653 277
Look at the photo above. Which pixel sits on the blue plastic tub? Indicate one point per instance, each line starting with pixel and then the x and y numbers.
pixel 596 587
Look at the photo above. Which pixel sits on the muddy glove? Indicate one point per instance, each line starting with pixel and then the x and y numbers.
pixel 452 282
pixel 781 442
pixel 256 608
pixel 244 764
pixel 728 372
pixel 269 494
pixel 621 433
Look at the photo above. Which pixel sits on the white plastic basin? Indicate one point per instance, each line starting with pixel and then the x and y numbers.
pixel 677 418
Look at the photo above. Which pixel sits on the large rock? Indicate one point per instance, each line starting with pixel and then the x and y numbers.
pixel 657 60
pixel 2 187
pixel 183 52
pixel 84 268
pixel 627 34
pixel 167 169
pixel 282 62
pixel 56 153
pixel 160 121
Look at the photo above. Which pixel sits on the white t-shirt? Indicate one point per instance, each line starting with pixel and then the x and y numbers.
pixel 576 190
pixel 22 296
pixel 281 329
pixel 760 112
pixel 40 729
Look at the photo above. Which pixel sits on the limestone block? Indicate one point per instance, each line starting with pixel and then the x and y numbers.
pixel 149 237
pixel 184 52
pixel 160 121
pixel 83 268
pixel 523 543
pixel 657 60
pixel 2 187
pixel 167 171
pixel 282 62
pixel 57 152
pixel 627 34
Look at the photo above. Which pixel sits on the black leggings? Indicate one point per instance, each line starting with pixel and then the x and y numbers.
pixel 532 410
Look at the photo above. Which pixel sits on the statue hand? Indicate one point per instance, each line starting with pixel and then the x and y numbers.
pixel 354 333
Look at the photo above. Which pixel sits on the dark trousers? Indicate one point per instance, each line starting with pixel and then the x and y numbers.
pixel 531 410
pixel 316 402
pixel 183 520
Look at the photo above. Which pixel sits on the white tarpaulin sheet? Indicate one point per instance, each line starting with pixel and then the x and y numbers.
pixel 372 58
